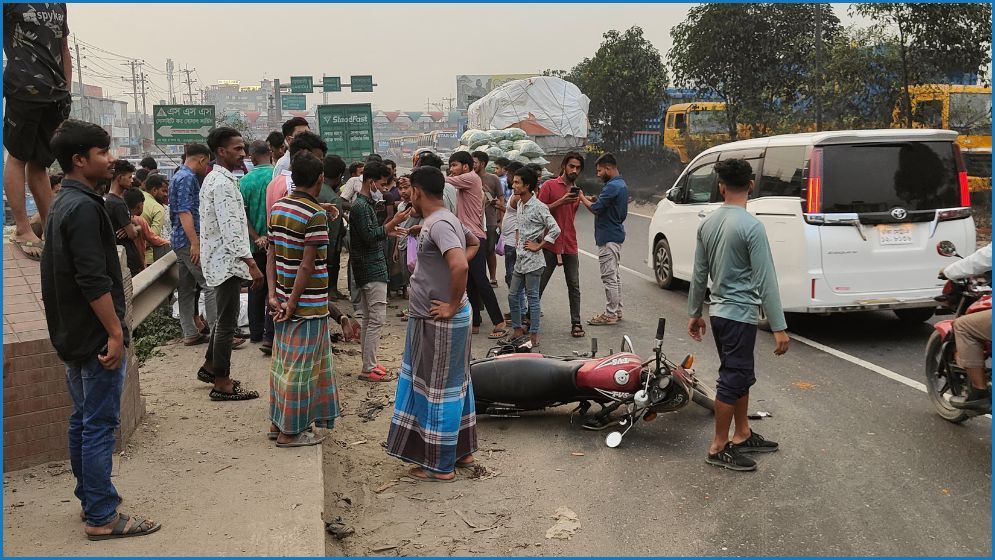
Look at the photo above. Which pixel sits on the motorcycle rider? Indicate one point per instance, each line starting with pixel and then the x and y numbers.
pixel 971 332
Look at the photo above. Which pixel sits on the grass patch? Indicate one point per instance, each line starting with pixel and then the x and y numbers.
pixel 156 330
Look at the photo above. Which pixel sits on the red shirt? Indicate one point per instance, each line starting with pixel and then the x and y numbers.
pixel 551 191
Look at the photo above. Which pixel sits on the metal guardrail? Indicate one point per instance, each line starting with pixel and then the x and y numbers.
pixel 152 286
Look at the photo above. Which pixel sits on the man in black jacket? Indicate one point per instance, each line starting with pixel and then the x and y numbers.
pixel 84 306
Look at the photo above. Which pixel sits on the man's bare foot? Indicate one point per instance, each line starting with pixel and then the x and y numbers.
pixel 466 461
pixel 29 244
pixel 519 332
pixel 224 384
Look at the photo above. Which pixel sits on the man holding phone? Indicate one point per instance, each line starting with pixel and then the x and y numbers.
pixel 562 196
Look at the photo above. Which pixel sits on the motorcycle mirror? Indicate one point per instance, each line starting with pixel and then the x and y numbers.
pixel 614 439
pixel 661 326
pixel 946 249
pixel 594 347
pixel 688 361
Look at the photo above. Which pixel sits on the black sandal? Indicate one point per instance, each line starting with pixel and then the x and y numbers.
pixel 577 331
pixel 208 377
pixel 136 530
pixel 237 394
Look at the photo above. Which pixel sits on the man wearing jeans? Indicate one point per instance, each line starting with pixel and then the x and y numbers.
pixel 537 229
pixel 83 292
pixel 610 209
pixel 369 265
pixel 253 188
pixel 226 260
pixel 184 215
pixel 561 195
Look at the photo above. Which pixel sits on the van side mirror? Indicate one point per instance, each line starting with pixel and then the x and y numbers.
pixel 674 194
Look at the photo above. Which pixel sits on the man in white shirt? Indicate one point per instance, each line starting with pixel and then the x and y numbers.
pixel 291 128
pixel 226 258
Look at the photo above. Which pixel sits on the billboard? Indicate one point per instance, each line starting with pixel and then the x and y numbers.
pixel 471 87
pixel 347 129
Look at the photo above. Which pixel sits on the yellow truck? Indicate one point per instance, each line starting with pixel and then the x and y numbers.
pixel 964 109
pixel 690 128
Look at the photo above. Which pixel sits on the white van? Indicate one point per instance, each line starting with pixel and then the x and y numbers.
pixel 853 217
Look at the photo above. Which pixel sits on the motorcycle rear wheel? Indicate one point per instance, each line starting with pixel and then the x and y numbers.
pixel 703 396
pixel 941 381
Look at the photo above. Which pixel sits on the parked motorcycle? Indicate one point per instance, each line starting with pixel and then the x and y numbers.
pixel 511 380
pixel 944 378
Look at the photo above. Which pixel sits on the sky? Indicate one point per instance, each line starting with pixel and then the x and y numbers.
pixel 414 52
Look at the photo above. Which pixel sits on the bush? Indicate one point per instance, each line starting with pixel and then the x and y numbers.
pixel 157 329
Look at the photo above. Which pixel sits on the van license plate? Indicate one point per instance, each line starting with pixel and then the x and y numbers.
pixel 899 234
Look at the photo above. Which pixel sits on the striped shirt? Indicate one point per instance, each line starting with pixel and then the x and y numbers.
pixel 295 222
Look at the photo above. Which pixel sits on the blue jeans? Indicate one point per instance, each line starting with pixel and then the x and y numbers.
pixel 525 286
pixel 96 394
pixel 510 258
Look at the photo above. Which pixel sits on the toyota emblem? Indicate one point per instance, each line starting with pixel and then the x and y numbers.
pixel 899 213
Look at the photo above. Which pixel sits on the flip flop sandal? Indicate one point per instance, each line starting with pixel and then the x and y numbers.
pixel 237 343
pixel 494 283
pixel 238 394
pixel 376 376
pixel 195 340
pixel 136 530
pixel 303 439
pixel 475 330
pixel 498 333
pixel 338 529
pixel 428 477
pixel 24 246
pixel 577 331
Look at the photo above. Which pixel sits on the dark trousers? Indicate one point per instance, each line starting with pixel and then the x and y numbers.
pixel 96 396
pixel 571 270
pixel 510 258
pixel 334 264
pixel 478 287
pixel 260 322
pixel 219 348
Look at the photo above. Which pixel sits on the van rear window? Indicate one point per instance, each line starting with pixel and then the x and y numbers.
pixel 861 178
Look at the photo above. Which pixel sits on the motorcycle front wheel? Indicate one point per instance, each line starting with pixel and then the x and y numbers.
pixel 703 396
pixel 941 382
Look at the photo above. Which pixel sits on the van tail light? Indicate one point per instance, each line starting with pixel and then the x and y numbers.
pixel 965 191
pixel 954 214
pixel 813 190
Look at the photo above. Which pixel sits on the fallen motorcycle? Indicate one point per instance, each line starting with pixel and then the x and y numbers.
pixel 511 380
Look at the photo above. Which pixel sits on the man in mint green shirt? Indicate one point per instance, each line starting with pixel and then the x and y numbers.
pixel 733 250
pixel 253 186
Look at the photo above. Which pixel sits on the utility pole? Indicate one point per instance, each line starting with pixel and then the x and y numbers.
pixel 144 77
pixel 324 94
pixel 169 78
pixel 818 67
pixel 449 100
pixel 189 84
pixel 79 77
pixel 278 101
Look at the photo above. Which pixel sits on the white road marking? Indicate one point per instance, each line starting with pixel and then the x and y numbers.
pixel 631 213
pixel 809 342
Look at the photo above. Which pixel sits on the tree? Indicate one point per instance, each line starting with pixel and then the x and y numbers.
pixel 755 57
pixel 934 41
pixel 862 80
pixel 626 81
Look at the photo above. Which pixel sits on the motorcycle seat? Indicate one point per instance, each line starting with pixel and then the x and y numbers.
pixel 518 379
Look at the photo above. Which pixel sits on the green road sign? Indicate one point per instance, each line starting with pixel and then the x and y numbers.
pixel 361 84
pixel 301 84
pixel 293 102
pixel 331 83
pixel 181 124
pixel 347 129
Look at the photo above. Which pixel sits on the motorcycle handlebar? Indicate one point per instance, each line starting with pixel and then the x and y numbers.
pixel 661 326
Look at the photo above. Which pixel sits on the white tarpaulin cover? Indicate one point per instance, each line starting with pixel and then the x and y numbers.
pixel 555 104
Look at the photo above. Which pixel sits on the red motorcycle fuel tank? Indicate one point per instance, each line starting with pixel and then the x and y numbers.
pixel 618 372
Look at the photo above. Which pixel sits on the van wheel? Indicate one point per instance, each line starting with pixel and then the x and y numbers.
pixel 915 314
pixel 663 264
